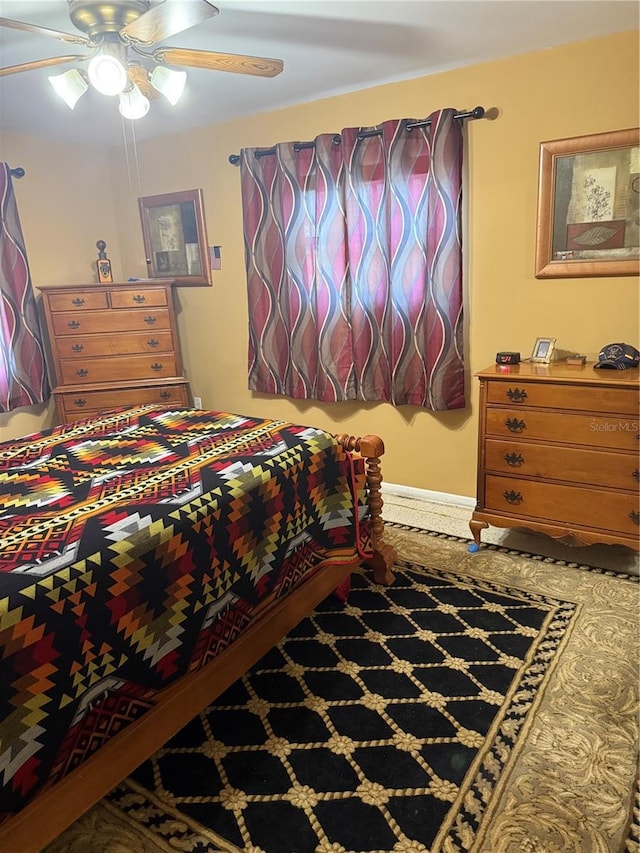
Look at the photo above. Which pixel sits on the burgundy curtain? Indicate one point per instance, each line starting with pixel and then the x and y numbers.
pixel 354 270
pixel 297 274
pixel 23 372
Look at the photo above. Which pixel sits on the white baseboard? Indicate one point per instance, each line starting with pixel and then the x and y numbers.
pixel 427 495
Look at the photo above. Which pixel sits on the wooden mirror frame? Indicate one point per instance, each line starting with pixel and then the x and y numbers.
pixel 613 148
pixel 185 214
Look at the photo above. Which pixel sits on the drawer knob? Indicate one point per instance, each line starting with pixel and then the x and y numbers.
pixel 634 516
pixel 514 459
pixel 150 320
pixel 514 425
pixel 152 343
pixel 516 395
pixel 82 371
pixel 79 402
pixel 165 395
pixel 73 324
pixel 156 367
pixel 636 474
pixel 77 348
pixel 139 298
pixel 77 301
pixel 512 497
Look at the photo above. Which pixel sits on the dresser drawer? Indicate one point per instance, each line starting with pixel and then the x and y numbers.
pixel 588 507
pixel 581 429
pixel 85 301
pixel 86 346
pixel 574 397
pixel 575 465
pixel 156 297
pixel 116 368
pixel 85 403
pixel 99 322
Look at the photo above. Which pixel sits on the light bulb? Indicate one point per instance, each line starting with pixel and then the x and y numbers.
pixel 70 86
pixel 169 83
pixel 107 74
pixel 133 103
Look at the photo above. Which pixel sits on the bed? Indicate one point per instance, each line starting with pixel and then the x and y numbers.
pixel 148 557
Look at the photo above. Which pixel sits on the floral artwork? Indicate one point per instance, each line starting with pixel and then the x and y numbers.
pixel 588 206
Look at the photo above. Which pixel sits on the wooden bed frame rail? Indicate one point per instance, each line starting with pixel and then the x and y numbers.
pixel 58 806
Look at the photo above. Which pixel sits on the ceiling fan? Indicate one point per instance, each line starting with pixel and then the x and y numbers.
pixel 113 29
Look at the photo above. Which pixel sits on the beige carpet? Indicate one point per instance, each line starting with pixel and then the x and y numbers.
pixel 569 783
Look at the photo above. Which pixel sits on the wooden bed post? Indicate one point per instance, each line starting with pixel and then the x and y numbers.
pixel 371 448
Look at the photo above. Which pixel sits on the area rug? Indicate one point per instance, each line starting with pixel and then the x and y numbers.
pixel 482 702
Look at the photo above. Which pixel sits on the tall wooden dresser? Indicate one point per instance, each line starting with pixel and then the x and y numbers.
pixel 559 452
pixel 113 345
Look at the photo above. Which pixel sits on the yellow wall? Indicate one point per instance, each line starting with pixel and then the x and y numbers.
pixel 573 90
pixel 65 204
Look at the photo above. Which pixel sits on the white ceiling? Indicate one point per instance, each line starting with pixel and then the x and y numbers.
pixel 328 47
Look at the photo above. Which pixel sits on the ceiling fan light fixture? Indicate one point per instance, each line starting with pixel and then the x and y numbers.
pixel 168 82
pixel 70 86
pixel 133 103
pixel 107 74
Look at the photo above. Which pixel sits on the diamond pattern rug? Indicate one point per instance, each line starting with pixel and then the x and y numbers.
pixel 404 719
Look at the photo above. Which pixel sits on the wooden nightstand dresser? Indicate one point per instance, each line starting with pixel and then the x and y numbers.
pixel 559 452
pixel 113 345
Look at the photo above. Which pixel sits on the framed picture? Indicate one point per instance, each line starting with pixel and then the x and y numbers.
pixel 589 206
pixel 543 350
pixel 175 237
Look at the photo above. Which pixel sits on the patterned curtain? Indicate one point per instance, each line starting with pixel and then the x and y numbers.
pixel 297 274
pixel 354 269
pixel 23 371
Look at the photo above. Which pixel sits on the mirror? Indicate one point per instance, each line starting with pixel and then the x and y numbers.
pixel 175 237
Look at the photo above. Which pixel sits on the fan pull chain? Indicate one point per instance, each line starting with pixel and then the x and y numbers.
pixel 126 151
pixel 135 154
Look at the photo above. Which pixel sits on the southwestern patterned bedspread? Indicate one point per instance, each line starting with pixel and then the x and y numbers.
pixel 133 547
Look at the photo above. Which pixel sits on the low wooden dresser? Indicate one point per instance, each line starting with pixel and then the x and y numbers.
pixel 113 345
pixel 559 452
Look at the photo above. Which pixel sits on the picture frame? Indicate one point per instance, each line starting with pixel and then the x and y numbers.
pixel 543 350
pixel 175 237
pixel 588 206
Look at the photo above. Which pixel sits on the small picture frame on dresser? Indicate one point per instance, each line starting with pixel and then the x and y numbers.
pixel 543 350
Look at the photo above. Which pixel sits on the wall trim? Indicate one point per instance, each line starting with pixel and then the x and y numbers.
pixel 428 495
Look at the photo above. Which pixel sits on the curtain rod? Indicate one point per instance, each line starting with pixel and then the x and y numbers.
pixel 18 172
pixel 477 112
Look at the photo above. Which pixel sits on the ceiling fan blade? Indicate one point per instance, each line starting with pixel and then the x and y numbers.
pixel 38 63
pixel 258 66
pixel 43 31
pixel 163 21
